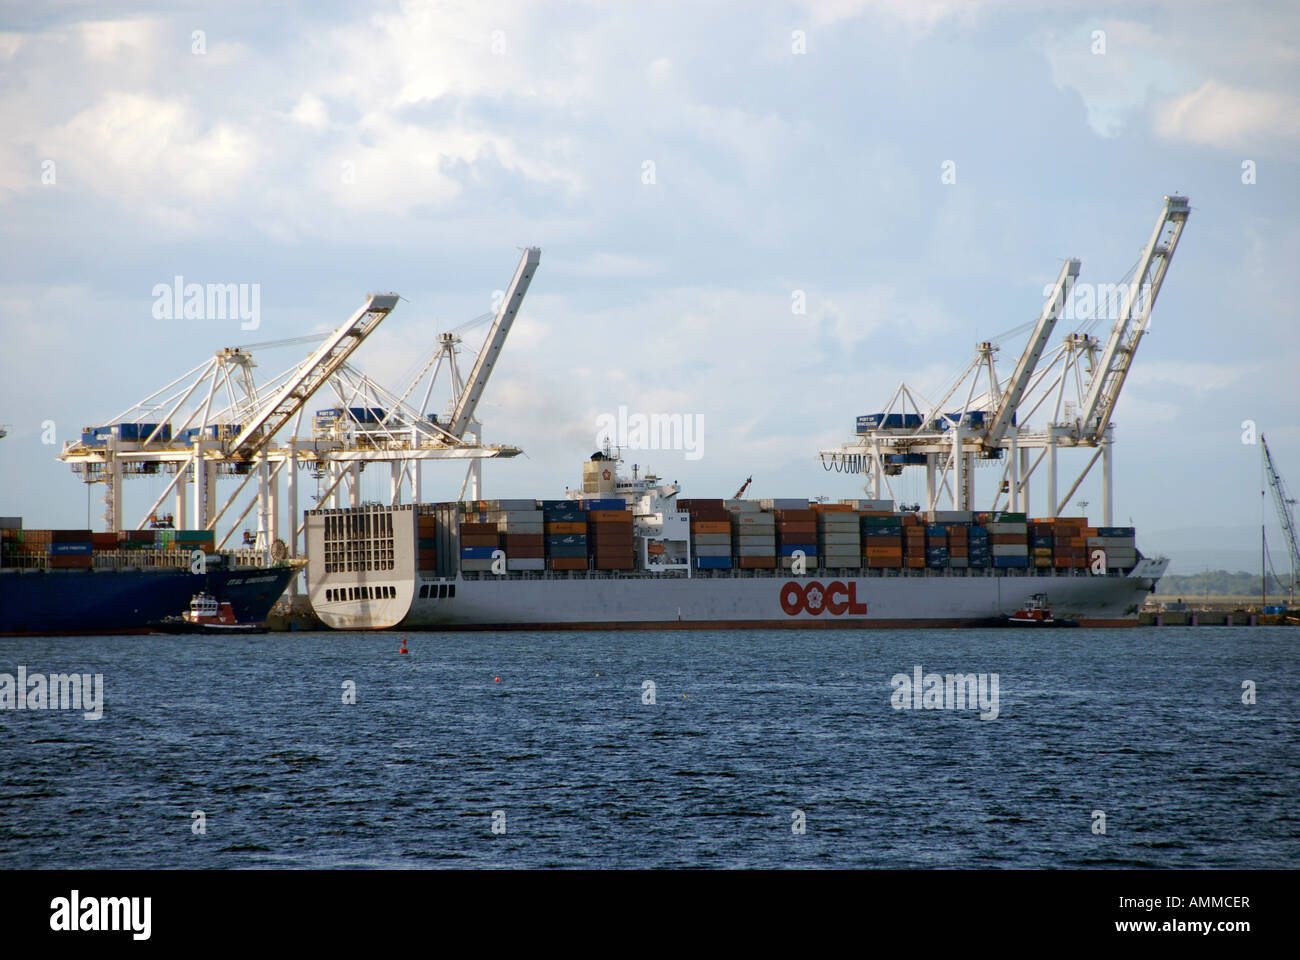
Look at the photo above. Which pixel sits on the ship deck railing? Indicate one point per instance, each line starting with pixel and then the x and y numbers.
pixel 822 572
pixel 136 560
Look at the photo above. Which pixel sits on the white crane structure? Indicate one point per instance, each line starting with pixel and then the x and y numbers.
pixel 216 421
pixel 983 419
pixel 1283 503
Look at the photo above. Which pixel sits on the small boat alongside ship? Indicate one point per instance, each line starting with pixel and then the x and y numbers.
pixel 1035 613
pixel 207 615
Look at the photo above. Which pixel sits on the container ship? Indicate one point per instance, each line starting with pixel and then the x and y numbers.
pixel 629 553
pixel 79 582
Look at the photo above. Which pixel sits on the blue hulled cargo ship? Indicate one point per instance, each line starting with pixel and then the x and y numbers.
pixel 78 582
pixel 125 600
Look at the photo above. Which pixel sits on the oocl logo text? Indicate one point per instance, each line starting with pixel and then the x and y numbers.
pixel 835 598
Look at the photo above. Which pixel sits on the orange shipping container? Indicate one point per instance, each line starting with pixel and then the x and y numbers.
pixel 567 563
pixel 566 526
pixel 873 551
pixel 710 526
pixel 479 540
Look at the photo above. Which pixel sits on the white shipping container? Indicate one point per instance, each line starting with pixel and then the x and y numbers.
pixel 850 539
pixel 877 506
pixel 711 550
pixel 1008 528
pixel 526 563
pixel 711 539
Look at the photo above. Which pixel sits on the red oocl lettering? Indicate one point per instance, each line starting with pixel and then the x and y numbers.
pixel 835 598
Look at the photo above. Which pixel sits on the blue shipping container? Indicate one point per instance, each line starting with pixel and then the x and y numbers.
pixel 70 548
pixel 477 553
pixel 566 550
pixel 712 563
pixel 788 549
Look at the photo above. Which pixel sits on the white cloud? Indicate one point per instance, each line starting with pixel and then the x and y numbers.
pixel 310 112
pixel 1217 115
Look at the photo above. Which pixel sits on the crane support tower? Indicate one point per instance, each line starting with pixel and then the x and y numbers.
pixel 1284 504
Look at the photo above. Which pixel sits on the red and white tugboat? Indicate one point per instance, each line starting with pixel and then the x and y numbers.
pixel 1036 613
pixel 207 615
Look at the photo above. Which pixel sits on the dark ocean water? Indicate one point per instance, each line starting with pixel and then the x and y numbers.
pixel 1147 725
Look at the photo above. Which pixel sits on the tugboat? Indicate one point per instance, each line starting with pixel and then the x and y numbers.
pixel 1036 613
pixel 206 615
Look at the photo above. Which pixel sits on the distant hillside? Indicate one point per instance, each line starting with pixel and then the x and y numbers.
pixel 1217 583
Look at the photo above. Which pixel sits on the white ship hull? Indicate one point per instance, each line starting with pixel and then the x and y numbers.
pixel 756 602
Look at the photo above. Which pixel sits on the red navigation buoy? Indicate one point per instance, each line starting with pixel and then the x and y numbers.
pixel 497 680
pixel 403 648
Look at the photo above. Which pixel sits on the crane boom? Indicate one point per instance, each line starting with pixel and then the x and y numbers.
pixel 496 338
pixel 308 378
pixel 1282 501
pixel 1131 325
pixel 1033 350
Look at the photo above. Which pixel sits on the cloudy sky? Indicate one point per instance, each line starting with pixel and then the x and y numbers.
pixel 325 150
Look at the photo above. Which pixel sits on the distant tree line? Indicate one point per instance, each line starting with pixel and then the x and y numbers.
pixel 1218 583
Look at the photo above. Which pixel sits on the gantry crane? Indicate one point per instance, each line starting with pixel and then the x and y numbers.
pixel 215 420
pixel 983 418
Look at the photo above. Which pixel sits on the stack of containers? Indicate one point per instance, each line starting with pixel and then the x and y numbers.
pixel 1042 541
pixel 1009 540
pixel 135 539
pixel 1069 548
pixel 1119 543
pixel 710 533
pixel 796 530
pixel 479 539
pixel 959 545
pixel 936 545
pixel 11 538
pixel 610 536
pixel 882 540
pixel 521 528
pixel 204 540
pixel 70 549
pixel 839 535
pixel 978 546
pixel 753 535
pixel 426 542
pixel 913 541
pixel 566 535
